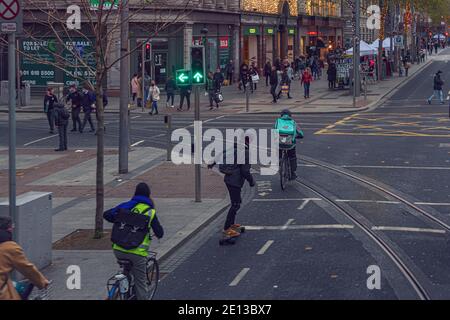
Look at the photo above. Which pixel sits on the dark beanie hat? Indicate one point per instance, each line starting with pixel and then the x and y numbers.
pixel 142 189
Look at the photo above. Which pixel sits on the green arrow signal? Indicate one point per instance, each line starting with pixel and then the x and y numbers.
pixel 183 77
pixel 198 76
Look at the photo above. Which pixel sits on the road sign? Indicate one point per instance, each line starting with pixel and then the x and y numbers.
pixel 198 64
pixel 11 16
pixel 398 41
pixel 183 77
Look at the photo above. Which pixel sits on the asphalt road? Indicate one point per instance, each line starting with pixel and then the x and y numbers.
pixel 305 244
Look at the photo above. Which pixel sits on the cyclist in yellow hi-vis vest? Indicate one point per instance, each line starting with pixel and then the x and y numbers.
pixel 133 222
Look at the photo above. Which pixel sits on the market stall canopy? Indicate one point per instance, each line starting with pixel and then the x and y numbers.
pixel 364 48
pixel 439 36
pixel 386 44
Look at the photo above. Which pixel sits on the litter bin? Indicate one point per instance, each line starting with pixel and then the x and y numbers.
pixel 33 225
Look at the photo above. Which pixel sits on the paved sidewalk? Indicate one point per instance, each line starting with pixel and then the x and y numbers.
pixel 322 99
pixel 70 178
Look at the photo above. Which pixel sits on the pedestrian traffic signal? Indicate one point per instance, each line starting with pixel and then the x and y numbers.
pixel 148 51
pixel 183 77
pixel 198 64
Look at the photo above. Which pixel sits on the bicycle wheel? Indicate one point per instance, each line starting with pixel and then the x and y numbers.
pixel 283 169
pixel 152 276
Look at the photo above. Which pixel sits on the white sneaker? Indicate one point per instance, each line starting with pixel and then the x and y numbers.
pixel 172 106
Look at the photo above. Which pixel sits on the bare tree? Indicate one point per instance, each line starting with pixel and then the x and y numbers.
pixel 100 24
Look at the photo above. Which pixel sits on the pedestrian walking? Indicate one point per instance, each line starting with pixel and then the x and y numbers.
pixel 62 121
pixel 185 93
pixel 139 95
pixel 170 89
pixel 438 83
pixel 88 105
pixel 74 97
pixel 407 63
pixel 49 101
pixel 273 84
pixel 243 76
pixel 229 71
pixel 253 78
pixel 134 87
pixel 436 46
pixel 332 76
pixel 306 82
pixel 235 176
pixel 267 72
pixel 212 90
pixel 153 96
pixel 218 79
pixel 286 82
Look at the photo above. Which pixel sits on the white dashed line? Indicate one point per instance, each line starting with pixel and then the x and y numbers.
pixel 239 277
pixel 300 227
pixel 32 142
pixel 137 143
pixel 265 247
pixel 293 199
pixel 287 224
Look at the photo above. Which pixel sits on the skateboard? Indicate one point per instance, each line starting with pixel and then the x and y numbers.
pixel 231 240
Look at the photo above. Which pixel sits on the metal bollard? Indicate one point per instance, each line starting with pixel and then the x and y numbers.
pixel 168 122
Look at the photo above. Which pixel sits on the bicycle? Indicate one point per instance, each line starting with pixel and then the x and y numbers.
pixel 285 164
pixel 121 285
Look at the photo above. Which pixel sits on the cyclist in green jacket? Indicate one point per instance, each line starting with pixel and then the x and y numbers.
pixel 287 126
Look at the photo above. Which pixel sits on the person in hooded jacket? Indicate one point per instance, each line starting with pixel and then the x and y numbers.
pixel 12 257
pixel 234 183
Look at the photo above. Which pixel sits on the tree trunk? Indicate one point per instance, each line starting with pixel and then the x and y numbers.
pixel 100 192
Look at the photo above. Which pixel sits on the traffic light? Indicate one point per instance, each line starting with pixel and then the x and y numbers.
pixel 183 77
pixel 148 51
pixel 198 64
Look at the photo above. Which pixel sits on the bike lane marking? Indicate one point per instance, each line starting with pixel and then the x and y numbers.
pixel 265 247
pixel 239 277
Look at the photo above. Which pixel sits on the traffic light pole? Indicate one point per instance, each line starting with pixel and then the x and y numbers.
pixel 143 77
pixel 198 140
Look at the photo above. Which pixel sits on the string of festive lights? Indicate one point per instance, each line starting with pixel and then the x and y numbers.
pixel 270 6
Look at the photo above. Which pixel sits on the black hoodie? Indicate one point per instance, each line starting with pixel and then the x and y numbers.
pixel 5 236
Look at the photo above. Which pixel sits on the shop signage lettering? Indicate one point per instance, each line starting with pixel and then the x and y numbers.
pixel 223 42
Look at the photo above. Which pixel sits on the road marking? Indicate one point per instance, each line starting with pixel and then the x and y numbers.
pixel 303 205
pixel 300 227
pixel 396 167
pixel 137 143
pixel 135 117
pixel 368 201
pixel 433 203
pixel 406 229
pixel 32 142
pixel 292 199
pixel 286 225
pixel 239 277
pixel 265 247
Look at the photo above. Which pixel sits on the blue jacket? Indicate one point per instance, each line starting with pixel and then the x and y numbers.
pixel 111 213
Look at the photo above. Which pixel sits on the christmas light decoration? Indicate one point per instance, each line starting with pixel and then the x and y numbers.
pixel 270 6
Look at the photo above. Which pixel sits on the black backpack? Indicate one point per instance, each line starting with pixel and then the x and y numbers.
pixel 130 228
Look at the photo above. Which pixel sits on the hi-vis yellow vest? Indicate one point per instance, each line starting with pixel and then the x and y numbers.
pixel 142 250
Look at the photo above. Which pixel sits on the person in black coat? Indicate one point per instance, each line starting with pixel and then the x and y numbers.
pixel 274 84
pixel 332 76
pixel 235 182
pixel 185 92
pixel 49 101
pixel 438 84
pixel 75 98
pixel 88 105
pixel 170 89
pixel 62 121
